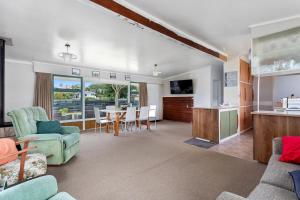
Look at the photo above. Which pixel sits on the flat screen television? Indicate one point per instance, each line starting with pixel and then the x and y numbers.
pixel 181 86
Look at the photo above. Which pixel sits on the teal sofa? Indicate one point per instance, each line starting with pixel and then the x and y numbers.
pixel 59 148
pixel 41 188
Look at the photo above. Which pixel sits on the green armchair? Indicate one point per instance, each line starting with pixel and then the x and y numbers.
pixel 41 188
pixel 59 148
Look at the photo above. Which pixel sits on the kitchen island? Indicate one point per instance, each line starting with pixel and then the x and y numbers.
pixel 215 124
pixel 269 125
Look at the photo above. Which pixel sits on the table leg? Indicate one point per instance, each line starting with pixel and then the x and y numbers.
pixel 117 124
pixel 148 124
pixel 107 125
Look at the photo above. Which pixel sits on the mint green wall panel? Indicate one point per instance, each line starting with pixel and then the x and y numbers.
pixel 224 125
pixel 233 122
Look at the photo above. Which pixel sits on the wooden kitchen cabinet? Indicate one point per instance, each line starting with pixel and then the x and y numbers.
pixel 245 72
pixel 246 96
pixel 178 108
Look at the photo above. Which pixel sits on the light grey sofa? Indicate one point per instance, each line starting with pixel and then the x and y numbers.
pixel 275 184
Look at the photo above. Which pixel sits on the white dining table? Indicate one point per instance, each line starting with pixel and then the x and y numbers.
pixel 118 115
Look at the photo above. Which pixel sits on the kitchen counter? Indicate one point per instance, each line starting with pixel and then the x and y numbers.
pixel 269 125
pixel 278 113
pixel 216 107
pixel 215 123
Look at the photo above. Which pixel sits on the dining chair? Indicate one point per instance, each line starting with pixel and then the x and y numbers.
pixel 101 120
pixel 130 118
pixel 143 116
pixel 153 113
pixel 111 115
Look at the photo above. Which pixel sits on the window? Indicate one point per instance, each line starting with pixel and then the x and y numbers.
pixel 67 98
pixel 134 94
pixel 101 95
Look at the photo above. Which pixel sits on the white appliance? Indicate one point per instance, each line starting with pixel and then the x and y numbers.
pixel 293 104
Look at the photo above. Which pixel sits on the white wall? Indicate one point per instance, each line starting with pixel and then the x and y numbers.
pixel 232 94
pixel 19 85
pixel 155 92
pixel 284 86
pixel 202 84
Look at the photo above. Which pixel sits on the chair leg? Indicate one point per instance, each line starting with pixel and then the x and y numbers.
pixel 140 125
pixel 100 128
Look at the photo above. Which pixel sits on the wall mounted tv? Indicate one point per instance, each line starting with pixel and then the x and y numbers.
pixel 181 86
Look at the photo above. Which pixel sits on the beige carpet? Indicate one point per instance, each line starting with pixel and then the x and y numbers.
pixel 154 165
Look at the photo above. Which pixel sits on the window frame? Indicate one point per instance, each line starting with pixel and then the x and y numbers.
pixel 81 97
pixel 82 89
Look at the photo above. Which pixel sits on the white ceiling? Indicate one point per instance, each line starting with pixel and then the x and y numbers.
pixel 221 23
pixel 40 29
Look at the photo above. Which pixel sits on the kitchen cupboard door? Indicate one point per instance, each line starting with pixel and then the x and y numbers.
pixel 244 71
pixel 249 117
pixel 246 94
pixel 233 122
pixel 249 95
pixel 243 118
pixel 224 125
pixel 243 94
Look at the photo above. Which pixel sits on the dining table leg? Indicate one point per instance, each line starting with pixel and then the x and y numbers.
pixel 107 125
pixel 117 124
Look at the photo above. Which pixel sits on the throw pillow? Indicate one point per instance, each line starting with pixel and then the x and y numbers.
pixel 290 149
pixel 296 179
pixel 8 151
pixel 44 127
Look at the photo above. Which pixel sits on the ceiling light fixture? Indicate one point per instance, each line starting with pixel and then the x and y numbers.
pixel 155 71
pixel 66 55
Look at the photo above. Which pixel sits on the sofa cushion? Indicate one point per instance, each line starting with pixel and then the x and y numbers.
pixel 48 127
pixel 296 179
pixel 277 173
pixel 290 149
pixel 266 191
pixel 70 139
pixel 62 196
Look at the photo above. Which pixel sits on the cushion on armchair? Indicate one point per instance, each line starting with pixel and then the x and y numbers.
pixel 48 127
pixel 7 147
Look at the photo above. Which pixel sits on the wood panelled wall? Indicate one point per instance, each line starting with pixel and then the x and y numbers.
pixel 206 124
pixel 89 124
pixel 246 96
pixel 178 108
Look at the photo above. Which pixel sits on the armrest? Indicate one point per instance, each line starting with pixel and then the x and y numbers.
pixel 277 145
pixel 43 137
pixel 39 188
pixel 229 196
pixel 70 129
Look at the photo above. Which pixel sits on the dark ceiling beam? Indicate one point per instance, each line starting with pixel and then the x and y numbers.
pixel 126 12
